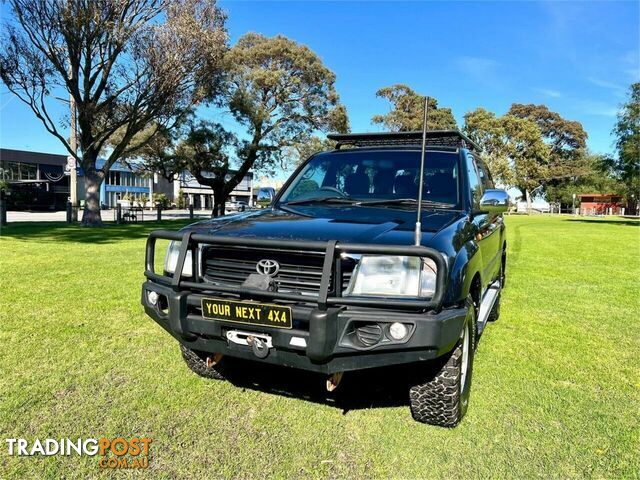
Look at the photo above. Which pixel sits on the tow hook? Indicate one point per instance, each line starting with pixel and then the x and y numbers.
pixel 333 381
pixel 259 347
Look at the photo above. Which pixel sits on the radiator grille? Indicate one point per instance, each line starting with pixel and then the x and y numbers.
pixel 299 271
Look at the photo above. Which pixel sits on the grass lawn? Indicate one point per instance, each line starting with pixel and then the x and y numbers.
pixel 556 384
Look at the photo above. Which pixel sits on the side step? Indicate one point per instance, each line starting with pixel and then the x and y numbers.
pixel 489 298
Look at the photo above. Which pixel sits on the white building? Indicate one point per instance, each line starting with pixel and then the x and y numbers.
pixel 201 196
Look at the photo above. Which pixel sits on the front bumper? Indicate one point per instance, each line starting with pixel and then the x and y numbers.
pixel 321 334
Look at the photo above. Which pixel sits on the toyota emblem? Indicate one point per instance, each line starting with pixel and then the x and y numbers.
pixel 268 267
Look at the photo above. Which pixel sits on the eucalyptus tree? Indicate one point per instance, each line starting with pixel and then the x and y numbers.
pixel 126 64
pixel 567 143
pixel 279 94
pixel 513 147
pixel 627 134
pixel 407 112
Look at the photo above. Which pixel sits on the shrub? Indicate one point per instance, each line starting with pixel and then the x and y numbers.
pixel 161 199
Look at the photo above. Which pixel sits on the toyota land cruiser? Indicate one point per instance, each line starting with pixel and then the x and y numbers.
pixel 329 278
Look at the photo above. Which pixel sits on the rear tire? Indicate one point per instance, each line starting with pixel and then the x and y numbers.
pixel 444 398
pixel 207 365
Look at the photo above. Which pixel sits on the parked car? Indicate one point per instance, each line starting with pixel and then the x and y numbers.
pixel 334 276
pixel 236 206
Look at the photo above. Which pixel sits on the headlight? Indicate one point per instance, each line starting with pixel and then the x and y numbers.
pixel 171 260
pixel 393 276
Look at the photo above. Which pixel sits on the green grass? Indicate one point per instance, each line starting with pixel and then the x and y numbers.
pixel 556 387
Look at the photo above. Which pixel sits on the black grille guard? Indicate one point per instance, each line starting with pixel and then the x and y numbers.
pixel 331 266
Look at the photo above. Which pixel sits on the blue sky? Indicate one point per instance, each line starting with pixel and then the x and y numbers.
pixel 578 58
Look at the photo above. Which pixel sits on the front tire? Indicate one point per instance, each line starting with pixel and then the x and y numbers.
pixel 444 398
pixel 207 365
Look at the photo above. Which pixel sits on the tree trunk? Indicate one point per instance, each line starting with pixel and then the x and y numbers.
pixel 92 181
pixel 219 199
pixel 528 195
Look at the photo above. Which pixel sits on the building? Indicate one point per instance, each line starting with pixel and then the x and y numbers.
pixel 37 181
pixel 124 184
pixel 201 196
pixel 601 204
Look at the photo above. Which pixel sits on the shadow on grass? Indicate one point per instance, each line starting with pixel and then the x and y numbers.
pixel 372 388
pixel 110 233
pixel 595 220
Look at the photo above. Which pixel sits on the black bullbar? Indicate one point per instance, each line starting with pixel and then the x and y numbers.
pixel 321 320
pixel 332 250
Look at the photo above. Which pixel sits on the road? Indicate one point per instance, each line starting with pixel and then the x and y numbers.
pixel 107 215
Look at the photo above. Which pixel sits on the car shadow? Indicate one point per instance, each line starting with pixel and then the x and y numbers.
pixel 382 387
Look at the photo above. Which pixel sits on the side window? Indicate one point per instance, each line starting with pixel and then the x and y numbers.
pixel 485 176
pixel 474 181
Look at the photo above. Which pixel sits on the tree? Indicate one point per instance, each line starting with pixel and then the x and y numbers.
pixel 513 147
pixel 279 92
pixel 407 111
pixel 488 131
pixel 301 151
pixel 567 142
pixel 599 179
pixel 627 132
pixel 313 144
pixel 126 64
pixel 528 153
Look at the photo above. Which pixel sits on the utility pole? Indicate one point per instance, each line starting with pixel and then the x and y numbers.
pixel 73 179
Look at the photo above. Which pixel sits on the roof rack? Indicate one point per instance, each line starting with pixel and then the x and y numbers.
pixel 440 138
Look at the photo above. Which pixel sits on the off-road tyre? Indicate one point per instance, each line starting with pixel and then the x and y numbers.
pixel 197 362
pixel 443 399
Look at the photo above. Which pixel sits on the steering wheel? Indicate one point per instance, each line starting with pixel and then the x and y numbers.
pixel 334 190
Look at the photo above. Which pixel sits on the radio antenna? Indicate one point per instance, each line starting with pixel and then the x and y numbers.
pixel 418 232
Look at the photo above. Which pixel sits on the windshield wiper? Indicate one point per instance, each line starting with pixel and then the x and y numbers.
pixel 322 200
pixel 407 201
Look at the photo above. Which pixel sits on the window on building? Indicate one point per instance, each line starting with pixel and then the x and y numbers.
pixel 19 171
pixel 114 178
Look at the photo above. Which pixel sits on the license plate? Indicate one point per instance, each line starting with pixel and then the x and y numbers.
pixel 247 312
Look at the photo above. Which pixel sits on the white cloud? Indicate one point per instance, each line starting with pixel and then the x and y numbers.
pixel 614 87
pixel 477 67
pixel 595 107
pixel 549 92
pixel 631 62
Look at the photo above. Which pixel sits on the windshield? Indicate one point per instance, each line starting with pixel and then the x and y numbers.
pixel 369 176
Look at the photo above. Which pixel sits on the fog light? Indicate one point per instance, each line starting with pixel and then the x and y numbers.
pixel 398 331
pixel 153 297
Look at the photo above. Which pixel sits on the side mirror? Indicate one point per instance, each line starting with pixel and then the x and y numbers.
pixel 265 196
pixel 494 202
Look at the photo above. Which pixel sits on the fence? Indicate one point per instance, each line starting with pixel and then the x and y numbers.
pixel 73 214
pixel 135 214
